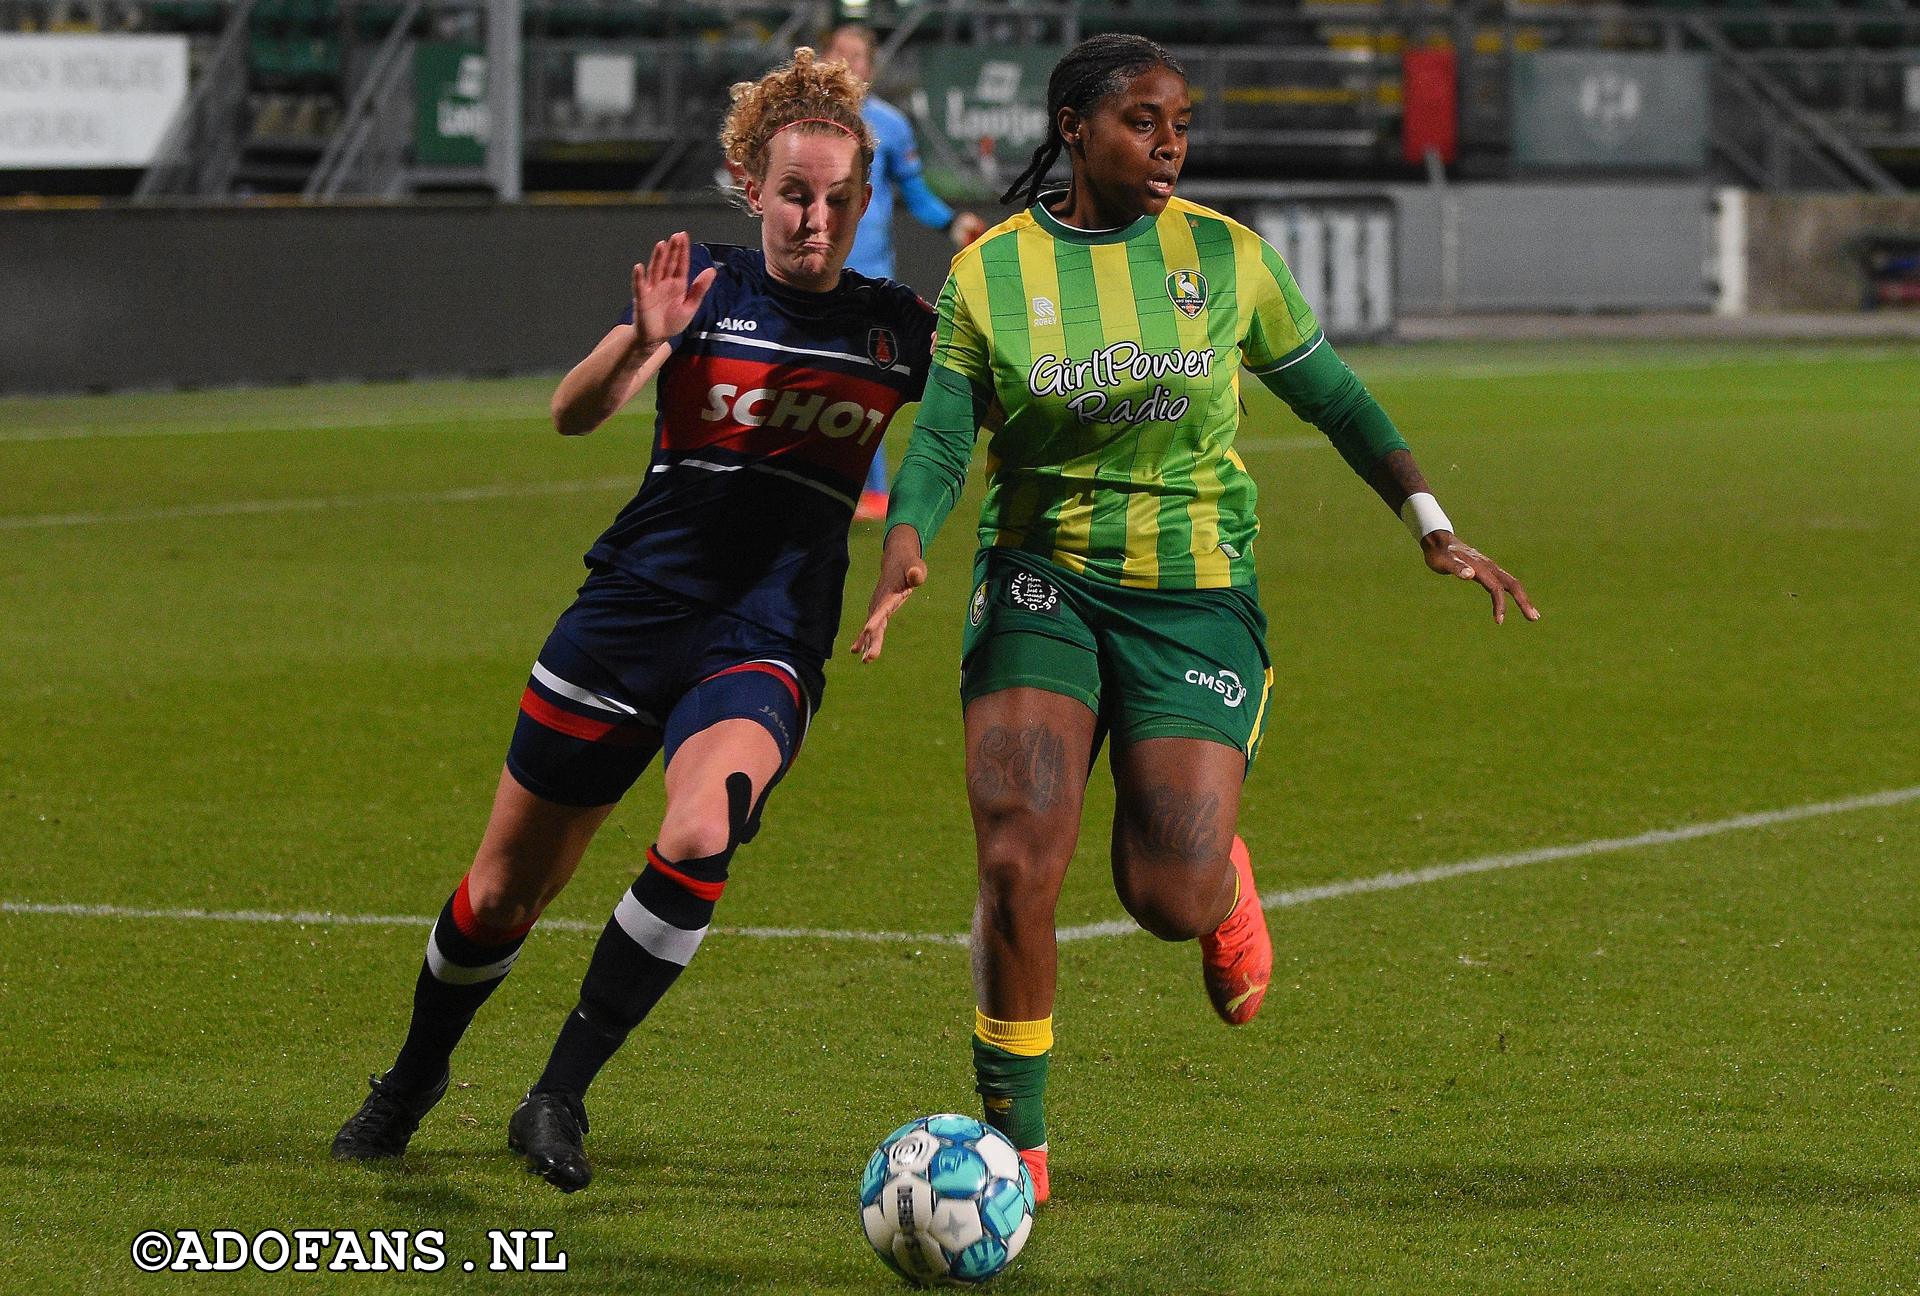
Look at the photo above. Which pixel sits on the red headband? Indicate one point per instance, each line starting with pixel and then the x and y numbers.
pixel 821 121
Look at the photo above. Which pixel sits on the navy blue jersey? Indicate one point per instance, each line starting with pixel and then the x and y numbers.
pixel 770 409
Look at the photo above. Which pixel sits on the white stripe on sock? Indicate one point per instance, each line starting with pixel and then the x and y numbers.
pixel 446 970
pixel 661 939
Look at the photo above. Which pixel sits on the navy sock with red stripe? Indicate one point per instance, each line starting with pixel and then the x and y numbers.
pixel 465 962
pixel 645 946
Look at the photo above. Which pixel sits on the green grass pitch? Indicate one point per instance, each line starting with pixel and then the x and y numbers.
pixel 261 651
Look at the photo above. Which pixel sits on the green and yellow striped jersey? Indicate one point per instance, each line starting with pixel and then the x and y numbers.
pixel 1116 359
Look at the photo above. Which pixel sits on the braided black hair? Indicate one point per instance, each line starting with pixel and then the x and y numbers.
pixel 1089 72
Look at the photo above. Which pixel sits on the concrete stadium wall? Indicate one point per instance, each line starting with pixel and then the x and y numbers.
pixel 1803 250
pixel 1495 247
pixel 1555 247
pixel 124 298
pixel 121 298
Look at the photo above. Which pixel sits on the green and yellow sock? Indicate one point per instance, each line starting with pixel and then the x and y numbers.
pixel 1010 1067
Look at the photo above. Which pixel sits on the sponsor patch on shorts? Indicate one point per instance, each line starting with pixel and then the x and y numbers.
pixel 1219 680
pixel 1034 593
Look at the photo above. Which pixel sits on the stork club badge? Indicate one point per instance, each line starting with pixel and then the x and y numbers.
pixel 1188 289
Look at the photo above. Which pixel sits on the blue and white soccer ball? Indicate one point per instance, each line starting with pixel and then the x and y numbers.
pixel 946 1199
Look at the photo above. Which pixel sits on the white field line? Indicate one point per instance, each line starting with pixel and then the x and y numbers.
pixel 1545 854
pixel 320 504
pixel 1087 931
pixel 218 425
pixel 1395 367
pixel 321 918
pixel 461 495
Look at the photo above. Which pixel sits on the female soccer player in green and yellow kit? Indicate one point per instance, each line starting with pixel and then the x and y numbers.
pixel 1101 332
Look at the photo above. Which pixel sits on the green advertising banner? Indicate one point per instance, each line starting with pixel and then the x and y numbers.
pixel 991 105
pixel 1610 111
pixel 450 104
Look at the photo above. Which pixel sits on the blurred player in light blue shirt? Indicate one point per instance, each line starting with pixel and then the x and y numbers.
pixel 896 173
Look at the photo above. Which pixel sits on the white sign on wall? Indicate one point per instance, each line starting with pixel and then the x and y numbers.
pixel 604 83
pixel 88 101
pixel 1341 255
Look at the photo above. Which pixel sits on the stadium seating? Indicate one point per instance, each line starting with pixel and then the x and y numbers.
pixel 1282 68
pixel 294 60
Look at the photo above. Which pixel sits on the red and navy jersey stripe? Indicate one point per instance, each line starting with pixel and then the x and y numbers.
pixel 770 410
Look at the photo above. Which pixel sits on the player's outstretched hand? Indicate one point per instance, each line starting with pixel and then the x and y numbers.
pixel 663 300
pixel 1451 556
pixel 902 571
pixel 966 228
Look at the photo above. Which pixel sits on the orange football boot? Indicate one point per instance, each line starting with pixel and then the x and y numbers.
pixel 1237 959
pixel 1036 1163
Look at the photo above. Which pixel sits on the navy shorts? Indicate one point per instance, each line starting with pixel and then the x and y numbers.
pixel 631 670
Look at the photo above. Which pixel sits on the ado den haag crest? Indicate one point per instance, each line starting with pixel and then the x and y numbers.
pixel 1188 289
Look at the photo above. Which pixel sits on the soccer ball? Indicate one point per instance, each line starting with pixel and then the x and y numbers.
pixel 946 1199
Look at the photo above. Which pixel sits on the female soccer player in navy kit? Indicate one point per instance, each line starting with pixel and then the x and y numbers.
pixel 710 608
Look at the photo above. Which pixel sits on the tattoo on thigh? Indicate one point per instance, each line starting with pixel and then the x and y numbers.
pixel 1029 762
pixel 1179 823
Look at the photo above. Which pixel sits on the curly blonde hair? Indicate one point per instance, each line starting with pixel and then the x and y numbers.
pixel 804 87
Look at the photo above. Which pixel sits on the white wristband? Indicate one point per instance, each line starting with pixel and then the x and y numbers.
pixel 1423 515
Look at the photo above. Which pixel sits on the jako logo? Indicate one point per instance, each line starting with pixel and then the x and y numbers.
pixel 801 411
pixel 736 325
pixel 1225 683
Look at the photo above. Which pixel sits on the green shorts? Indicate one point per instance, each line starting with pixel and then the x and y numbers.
pixel 1150 663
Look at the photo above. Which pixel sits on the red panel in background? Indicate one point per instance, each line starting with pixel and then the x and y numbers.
pixel 1430 104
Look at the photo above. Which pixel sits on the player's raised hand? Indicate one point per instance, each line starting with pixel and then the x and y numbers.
pixel 902 571
pixel 663 300
pixel 1450 556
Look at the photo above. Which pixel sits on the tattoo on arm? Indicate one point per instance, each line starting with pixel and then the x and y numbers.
pixel 1396 477
pixel 1180 823
pixel 1030 763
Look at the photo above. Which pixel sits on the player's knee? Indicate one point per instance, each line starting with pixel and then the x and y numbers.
pixel 1171 903
pixel 1171 918
pixel 696 832
pixel 498 902
pixel 1017 880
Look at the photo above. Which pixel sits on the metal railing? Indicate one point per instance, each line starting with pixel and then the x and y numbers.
pixel 1796 141
pixel 1747 133
pixel 363 157
pixel 1862 92
pixel 1763 130
pixel 1799 95
pixel 201 150
pixel 679 91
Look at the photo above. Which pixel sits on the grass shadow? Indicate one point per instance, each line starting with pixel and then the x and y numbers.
pixel 1492 1186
